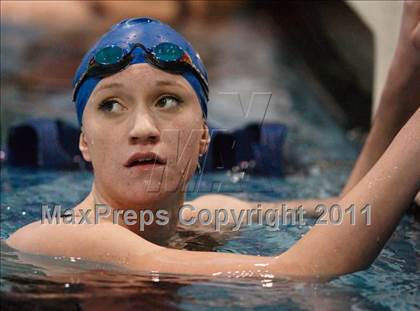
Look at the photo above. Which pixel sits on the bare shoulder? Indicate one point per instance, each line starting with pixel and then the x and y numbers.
pixel 90 241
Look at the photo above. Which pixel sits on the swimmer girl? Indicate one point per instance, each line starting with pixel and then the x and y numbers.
pixel 143 81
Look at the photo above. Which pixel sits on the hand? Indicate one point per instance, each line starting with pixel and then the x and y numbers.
pixel 408 46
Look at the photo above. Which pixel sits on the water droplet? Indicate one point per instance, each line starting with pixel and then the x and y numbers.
pixel 155 278
pixel 268 284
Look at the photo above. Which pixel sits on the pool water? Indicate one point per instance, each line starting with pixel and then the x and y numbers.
pixel 392 282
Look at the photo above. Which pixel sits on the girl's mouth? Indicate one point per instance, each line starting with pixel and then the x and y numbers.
pixel 145 160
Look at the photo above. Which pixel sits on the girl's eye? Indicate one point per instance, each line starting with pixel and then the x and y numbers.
pixel 111 106
pixel 168 102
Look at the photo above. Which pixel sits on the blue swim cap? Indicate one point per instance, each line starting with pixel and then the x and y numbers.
pixel 148 32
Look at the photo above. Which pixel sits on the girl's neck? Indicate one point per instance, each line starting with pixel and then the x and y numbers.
pixel 155 222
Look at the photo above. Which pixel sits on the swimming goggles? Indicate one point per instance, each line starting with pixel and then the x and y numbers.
pixel 167 56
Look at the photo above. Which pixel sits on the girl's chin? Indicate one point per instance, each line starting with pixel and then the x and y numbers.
pixel 166 178
pixel 155 187
pixel 146 197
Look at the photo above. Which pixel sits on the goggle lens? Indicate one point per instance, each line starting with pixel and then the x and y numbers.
pixel 109 55
pixel 168 52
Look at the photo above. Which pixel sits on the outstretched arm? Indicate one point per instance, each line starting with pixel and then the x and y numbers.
pixel 388 188
pixel 329 250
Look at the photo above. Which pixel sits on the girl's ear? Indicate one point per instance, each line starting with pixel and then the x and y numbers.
pixel 205 139
pixel 83 146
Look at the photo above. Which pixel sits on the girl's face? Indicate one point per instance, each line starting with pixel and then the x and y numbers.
pixel 133 118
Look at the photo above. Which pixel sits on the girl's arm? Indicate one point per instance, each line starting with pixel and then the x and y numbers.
pixel 329 250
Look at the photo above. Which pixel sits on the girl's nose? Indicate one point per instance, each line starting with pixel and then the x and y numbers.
pixel 144 129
